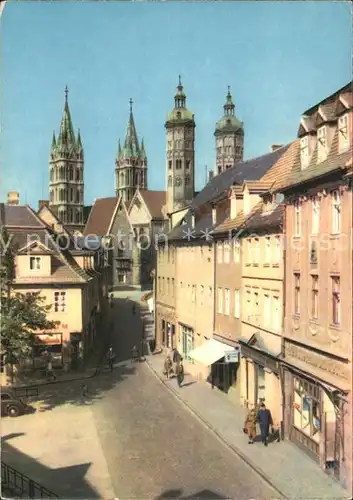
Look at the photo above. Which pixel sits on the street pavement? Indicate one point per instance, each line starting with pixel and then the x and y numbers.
pixel 129 438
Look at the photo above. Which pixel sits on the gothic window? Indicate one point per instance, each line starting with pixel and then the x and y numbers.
pixel 178 181
pixel 51 196
pixel 170 164
pixel 71 194
pixel 61 196
pixel 188 163
pixel 71 173
pixel 77 196
pixel 77 175
pixel 77 216
pixel 61 173
pixel 178 164
pixel 170 181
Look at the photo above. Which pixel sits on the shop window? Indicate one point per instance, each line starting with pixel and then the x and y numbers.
pixel 307 417
pixel 314 297
pixel 296 293
pixel 336 300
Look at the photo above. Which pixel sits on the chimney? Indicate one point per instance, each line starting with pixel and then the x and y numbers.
pixel 192 220
pixel 210 175
pixel 274 147
pixel 214 214
pixel 233 204
pixel 13 198
pixel 43 203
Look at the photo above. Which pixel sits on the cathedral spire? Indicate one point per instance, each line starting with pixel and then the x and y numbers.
pixel 143 155
pixel 66 139
pixel 131 145
pixel 79 146
pixel 53 143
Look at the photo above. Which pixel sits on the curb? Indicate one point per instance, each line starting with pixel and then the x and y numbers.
pixel 240 454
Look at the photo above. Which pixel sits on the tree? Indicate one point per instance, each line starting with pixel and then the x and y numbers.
pixel 21 314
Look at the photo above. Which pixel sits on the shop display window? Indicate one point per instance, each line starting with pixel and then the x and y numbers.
pixel 307 415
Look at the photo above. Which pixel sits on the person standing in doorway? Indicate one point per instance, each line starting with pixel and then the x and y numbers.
pixel 180 372
pixel 176 359
pixel 264 418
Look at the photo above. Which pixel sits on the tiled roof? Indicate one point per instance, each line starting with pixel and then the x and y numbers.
pixel 260 185
pixel 347 88
pixel 154 201
pixel 347 98
pixel 334 161
pixel 202 227
pixel 328 111
pixel 263 221
pixel 100 216
pixel 21 216
pixel 252 169
pixel 237 223
pixel 278 174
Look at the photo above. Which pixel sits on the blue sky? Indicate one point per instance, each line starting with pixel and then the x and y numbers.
pixel 279 59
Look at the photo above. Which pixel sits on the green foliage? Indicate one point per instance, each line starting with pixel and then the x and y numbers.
pixel 21 314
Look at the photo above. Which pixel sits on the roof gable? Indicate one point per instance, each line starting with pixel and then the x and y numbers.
pixel 139 212
pixel 100 217
pixel 35 247
pixel 154 200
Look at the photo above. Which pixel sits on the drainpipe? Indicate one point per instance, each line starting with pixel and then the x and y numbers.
pixel 281 371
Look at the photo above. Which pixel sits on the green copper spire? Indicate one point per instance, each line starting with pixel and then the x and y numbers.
pixel 66 140
pixel 53 143
pixel 131 145
pixel 229 105
pixel 143 155
pixel 119 152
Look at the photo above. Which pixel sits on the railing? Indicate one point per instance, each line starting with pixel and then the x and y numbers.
pixel 18 483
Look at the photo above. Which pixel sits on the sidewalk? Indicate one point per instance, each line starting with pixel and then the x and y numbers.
pixel 288 469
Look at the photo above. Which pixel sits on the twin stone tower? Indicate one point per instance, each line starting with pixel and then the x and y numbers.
pixel 66 165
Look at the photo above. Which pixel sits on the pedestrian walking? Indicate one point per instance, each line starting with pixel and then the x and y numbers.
pixel 168 366
pixel 250 425
pixel 176 359
pixel 180 372
pixel 264 418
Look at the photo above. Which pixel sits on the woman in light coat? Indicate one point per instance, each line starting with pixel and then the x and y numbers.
pixel 250 425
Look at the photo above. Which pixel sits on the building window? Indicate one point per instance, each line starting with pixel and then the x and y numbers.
pixel 256 251
pixel 34 263
pixel 315 217
pixel 226 252
pixel 321 144
pixel 219 253
pixel 248 304
pixel 227 301
pixel 277 253
pixel 296 293
pixel 314 297
pixel 220 300
pixel 267 250
pixel 59 301
pixel 297 219
pixel 336 212
pixel 121 278
pixel 276 314
pixel 267 310
pixel 343 141
pixel 237 304
pixel 236 244
pixel 178 164
pixel 170 164
pixel 304 151
pixel 187 166
pixel 336 301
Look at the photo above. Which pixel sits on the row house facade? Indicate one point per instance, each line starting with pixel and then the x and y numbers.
pixel 317 360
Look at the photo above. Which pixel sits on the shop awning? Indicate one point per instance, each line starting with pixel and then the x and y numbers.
pixel 210 352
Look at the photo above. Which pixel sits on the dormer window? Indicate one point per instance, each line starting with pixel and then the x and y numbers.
pixel 34 263
pixel 304 151
pixel 321 144
pixel 343 141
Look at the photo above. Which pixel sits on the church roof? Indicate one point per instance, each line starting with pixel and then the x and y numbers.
pixel 154 200
pixel 101 215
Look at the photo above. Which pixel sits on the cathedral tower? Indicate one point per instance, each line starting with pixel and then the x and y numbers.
pixel 180 161
pixel 229 135
pixel 66 185
pixel 130 163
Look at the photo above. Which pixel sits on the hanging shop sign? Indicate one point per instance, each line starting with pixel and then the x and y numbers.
pixel 232 356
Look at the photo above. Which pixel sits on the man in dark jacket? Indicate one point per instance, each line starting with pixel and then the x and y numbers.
pixel 264 418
